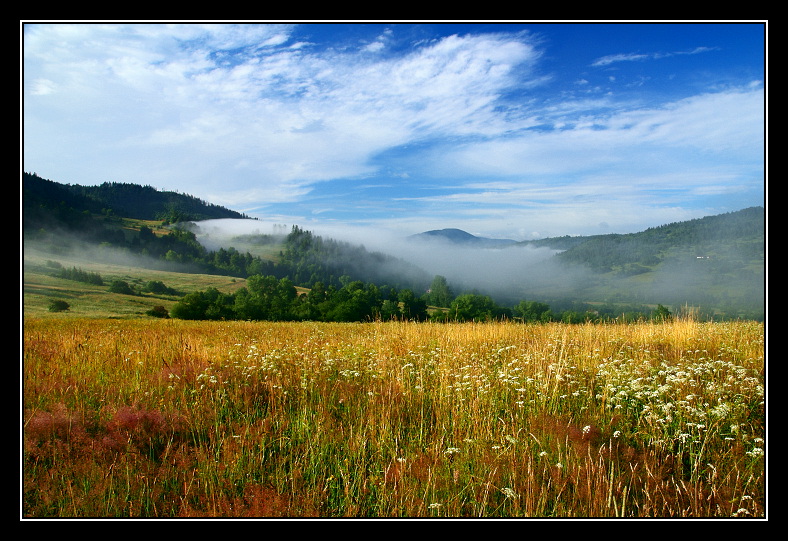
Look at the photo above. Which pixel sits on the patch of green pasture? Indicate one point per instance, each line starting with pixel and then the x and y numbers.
pixel 41 287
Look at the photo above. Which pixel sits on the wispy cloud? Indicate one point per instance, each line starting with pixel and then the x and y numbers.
pixel 613 58
pixel 307 115
pixel 638 57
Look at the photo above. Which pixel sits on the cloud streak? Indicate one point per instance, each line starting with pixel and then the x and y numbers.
pixel 637 57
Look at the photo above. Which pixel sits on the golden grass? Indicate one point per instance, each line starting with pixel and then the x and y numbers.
pixel 235 419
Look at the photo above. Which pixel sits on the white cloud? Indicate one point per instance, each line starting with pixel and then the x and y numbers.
pixel 724 124
pixel 636 57
pixel 42 87
pixel 304 117
pixel 611 59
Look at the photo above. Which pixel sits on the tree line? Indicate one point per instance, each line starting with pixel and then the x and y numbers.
pixel 122 199
pixel 274 297
pixel 267 298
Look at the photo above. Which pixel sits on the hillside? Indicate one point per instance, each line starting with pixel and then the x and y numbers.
pixel 704 237
pixel 45 281
pixel 44 201
pixel 714 261
pixel 71 219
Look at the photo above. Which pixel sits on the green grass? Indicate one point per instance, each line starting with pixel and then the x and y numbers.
pixel 40 287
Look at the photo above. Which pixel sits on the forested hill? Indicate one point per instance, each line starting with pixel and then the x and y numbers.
pixel 743 230
pixel 44 200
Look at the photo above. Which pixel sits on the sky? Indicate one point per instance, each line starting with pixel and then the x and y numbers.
pixel 502 129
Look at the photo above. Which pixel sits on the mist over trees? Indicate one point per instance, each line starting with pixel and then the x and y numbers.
pixel 311 258
pixel 634 253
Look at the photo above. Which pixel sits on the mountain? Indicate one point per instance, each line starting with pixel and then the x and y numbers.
pixel 460 237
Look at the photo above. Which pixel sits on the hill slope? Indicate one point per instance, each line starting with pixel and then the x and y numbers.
pixel 44 200
pixel 109 214
pixel 716 261
pixel 704 237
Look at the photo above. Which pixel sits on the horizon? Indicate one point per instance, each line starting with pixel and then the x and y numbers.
pixel 502 130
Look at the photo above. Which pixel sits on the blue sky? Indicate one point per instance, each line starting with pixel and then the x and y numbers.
pixel 504 130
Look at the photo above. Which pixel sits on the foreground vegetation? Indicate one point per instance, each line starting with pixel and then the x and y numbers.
pixel 175 418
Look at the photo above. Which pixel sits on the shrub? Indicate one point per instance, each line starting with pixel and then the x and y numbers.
pixel 120 286
pixel 158 287
pixel 58 306
pixel 158 311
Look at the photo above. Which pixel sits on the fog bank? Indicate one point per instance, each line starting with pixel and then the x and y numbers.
pixel 465 267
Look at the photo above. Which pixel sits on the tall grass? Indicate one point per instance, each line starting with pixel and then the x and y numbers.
pixel 397 419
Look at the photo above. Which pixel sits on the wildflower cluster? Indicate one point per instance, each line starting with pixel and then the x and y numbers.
pixel 682 401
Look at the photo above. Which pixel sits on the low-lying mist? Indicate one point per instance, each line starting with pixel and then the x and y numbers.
pixel 224 233
pixel 732 279
pixel 71 249
pixel 494 271
pixel 521 272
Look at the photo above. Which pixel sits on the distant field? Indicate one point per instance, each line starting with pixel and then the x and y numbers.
pixel 169 418
pixel 40 287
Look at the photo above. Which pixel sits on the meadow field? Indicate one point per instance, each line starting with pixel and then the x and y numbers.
pixel 170 418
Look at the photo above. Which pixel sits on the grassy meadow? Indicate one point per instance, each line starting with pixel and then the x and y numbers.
pixel 168 418
pixel 41 285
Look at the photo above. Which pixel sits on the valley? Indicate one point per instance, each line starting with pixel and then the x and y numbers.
pixel 713 266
